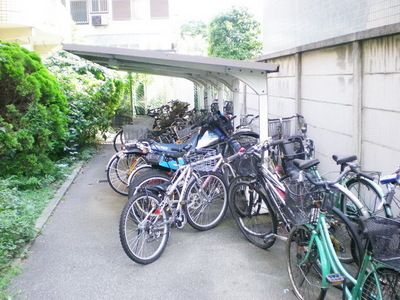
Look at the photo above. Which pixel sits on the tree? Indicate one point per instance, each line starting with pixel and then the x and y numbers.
pixel 234 35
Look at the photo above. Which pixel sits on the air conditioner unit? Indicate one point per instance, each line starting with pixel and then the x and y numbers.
pixel 99 20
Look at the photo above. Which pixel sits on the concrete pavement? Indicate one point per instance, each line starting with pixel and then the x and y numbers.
pixel 79 256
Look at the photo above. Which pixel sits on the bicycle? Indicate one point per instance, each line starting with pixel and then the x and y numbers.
pixel 246 122
pixel 194 195
pixel 290 146
pixel 312 261
pixel 259 202
pixel 215 132
pixel 391 182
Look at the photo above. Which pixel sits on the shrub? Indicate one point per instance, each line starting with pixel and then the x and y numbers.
pixel 33 120
pixel 93 94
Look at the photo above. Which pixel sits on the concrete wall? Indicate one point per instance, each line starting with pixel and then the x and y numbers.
pixel 348 89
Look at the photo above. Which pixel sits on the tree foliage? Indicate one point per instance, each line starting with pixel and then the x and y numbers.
pixel 33 120
pixel 194 28
pixel 234 34
pixel 93 94
pixel 46 113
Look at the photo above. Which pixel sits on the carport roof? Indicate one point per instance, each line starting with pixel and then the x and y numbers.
pixel 201 70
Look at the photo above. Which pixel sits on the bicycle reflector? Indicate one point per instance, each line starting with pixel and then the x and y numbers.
pixel 334 279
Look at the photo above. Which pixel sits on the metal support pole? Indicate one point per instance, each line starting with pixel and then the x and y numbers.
pixel 221 97
pixel 237 104
pixel 201 96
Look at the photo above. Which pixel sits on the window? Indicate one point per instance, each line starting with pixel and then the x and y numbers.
pixel 159 9
pixel 79 11
pixel 99 6
pixel 121 10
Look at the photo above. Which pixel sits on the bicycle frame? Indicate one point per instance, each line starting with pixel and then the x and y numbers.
pixel 330 262
pixel 183 175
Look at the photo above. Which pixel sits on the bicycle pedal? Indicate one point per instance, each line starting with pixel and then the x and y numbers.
pixel 269 237
pixel 334 279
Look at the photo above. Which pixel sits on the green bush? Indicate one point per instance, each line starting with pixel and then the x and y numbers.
pixel 93 94
pixel 33 114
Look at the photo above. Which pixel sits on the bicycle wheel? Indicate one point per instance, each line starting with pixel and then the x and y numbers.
pixel 149 177
pixel 118 171
pixel 206 201
pixel 246 139
pixel 385 280
pixel 367 193
pixel 143 229
pixel 118 140
pixel 254 216
pixel 345 240
pixel 304 273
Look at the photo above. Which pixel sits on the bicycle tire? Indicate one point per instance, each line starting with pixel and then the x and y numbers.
pixel 367 193
pixel 149 177
pixel 346 240
pixel 142 228
pixel 206 206
pixel 387 281
pixel 255 222
pixel 118 140
pixel 118 171
pixel 306 279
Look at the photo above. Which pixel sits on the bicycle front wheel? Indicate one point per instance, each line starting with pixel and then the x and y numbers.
pixel 119 169
pixel 384 280
pixel 303 264
pixel 254 217
pixel 143 229
pixel 206 201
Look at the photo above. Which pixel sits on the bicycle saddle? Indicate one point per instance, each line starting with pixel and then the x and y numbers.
pixel 342 159
pixel 304 164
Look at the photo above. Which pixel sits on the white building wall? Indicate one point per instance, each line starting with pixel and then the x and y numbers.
pixel 349 95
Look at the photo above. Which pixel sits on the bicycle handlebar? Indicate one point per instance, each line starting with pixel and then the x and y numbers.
pixel 325 183
pixel 288 118
pixel 255 148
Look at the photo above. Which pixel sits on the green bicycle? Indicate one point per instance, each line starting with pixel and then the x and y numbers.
pixel 314 266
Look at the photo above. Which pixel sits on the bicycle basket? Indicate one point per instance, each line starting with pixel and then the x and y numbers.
pixel 134 132
pixel 384 236
pixel 299 200
pixel 282 129
pixel 197 159
pixel 245 165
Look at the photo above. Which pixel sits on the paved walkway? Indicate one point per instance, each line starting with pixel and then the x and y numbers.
pixel 79 256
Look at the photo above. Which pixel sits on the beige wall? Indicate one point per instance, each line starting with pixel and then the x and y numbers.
pixel 349 95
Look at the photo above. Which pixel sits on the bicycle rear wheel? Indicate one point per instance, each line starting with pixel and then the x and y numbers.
pixel 385 280
pixel 254 217
pixel 367 193
pixel 206 201
pixel 143 229
pixel 149 177
pixel 304 273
